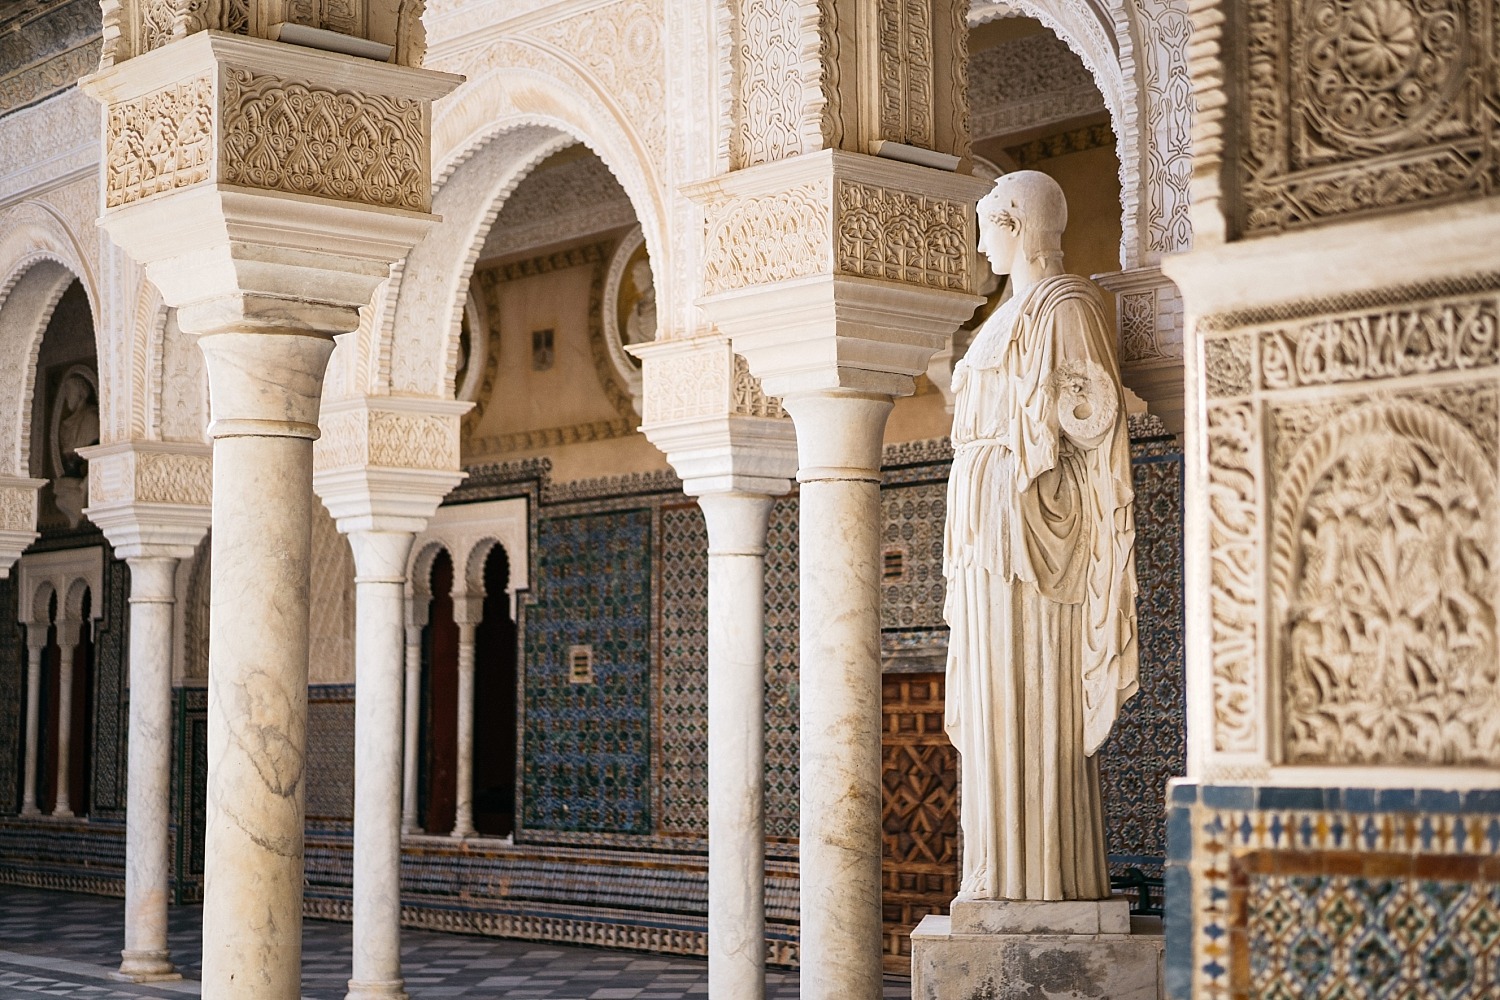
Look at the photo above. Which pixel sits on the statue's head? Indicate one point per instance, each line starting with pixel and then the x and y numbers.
pixel 640 273
pixel 1022 219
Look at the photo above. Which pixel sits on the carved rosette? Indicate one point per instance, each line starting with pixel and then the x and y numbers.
pixel 245 113
pixel 1346 108
pixel 1353 531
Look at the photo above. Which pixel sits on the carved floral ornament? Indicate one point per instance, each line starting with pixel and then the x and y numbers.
pixel 251 117
pixel 1354 536
pixel 1381 104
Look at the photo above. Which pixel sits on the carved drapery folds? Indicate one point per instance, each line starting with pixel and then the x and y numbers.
pixel 237 124
pixel 1346 107
pixel 1366 515
pixel 135 27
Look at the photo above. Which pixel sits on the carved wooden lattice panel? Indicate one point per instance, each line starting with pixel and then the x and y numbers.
pixel 919 811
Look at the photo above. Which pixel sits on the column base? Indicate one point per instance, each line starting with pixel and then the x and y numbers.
pixel 63 814
pixel 30 811
pixel 463 834
pixel 388 989
pixel 145 967
pixel 1003 950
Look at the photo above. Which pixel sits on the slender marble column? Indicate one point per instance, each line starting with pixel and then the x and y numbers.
pixel 413 729
pixel 67 642
pixel 265 390
pixel 148 811
pixel 463 799
pixel 380 582
pixel 36 648
pixel 838 447
pixel 736 744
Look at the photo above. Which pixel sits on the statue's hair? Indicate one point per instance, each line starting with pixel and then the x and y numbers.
pixel 1035 202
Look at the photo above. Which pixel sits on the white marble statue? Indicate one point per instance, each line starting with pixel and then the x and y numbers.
pixel 640 325
pixel 1039 562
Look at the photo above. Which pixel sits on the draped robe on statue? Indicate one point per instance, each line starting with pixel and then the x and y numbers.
pixel 1040 569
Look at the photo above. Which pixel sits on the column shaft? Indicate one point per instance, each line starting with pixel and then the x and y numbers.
pixel 380 558
pixel 736 744
pixel 34 652
pixel 265 398
pixel 148 812
pixel 66 644
pixel 413 729
pixel 463 812
pixel 838 442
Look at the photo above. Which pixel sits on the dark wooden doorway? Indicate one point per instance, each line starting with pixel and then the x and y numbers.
pixel 495 705
pixel 919 811
pixel 439 736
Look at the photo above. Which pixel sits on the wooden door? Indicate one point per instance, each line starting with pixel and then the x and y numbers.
pixel 919 811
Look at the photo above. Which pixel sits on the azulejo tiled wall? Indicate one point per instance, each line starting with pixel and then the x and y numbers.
pixel 1360 894
pixel 586 746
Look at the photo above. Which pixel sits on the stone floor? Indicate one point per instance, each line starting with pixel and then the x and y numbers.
pixel 65 945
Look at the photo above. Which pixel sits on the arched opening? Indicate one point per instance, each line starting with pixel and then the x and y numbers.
pixel 495 676
pixel 439 715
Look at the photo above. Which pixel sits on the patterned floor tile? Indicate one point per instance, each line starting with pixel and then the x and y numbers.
pixel 66 945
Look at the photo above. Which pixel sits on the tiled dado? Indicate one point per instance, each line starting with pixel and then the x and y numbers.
pixel 1358 894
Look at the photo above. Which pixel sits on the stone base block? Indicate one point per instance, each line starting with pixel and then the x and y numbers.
pixel 1001 950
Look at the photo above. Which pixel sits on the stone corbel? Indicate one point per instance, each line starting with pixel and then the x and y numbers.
pixel 17 518
pixel 839 270
pixel 1149 317
pixel 708 414
pixel 385 463
pixel 150 498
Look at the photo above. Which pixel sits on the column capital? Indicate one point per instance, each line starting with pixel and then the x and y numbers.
pixel 17 518
pixel 384 463
pixel 872 268
pixel 251 219
pixel 719 430
pixel 151 499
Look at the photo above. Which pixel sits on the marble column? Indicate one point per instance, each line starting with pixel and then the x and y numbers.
pixel 380 583
pixel 148 813
pixel 67 643
pixel 265 392
pixel 839 437
pixel 415 619
pixel 736 743
pixel 36 649
pixel 463 798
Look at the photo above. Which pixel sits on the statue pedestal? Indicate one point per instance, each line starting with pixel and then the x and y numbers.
pixel 1004 950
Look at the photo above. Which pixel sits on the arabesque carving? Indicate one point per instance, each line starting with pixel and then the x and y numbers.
pixel 685 386
pixel 1234 560
pixel 890 234
pixel 779 57
pixel 756 240
pixel 1361 106
pixel 282 135
pixel 162 477
pixel 1382 570
pixel 1227 365
pixel 17 508
pixel 750 400
pixel 906 104
pixel 160 142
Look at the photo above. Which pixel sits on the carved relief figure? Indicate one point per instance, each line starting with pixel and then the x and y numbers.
pixel 1039 561
pixel 75 424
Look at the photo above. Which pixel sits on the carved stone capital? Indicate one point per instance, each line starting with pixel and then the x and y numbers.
pixel 839 270
pixel 17 518
pixel 150 498
pixel 242 172
pixel 719 431
pixel 385 463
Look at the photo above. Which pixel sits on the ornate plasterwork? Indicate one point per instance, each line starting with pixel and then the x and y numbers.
pixel 44 48
pixel 1026 83
pixel 890 234
pixel 759 239
pixel 749 399
pixel 906 99
pixel 779 57
pixel 566 202
pixel 282 135
pixel 160 141
pixel 57 138
pixel 1353 108
pixel 148 476
pixel 395 439
pixel 17 508
pixel 1352 533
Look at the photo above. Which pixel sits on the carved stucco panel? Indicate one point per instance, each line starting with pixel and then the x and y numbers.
pixel 1354 108
pixel 685 386
pixel 1382 585
pixel 779 57
pixel 760 239
pixel 1234 575
pixel 890 234
pixel 159 142
pixel 162 477
pixel 17 508
pixel 53 139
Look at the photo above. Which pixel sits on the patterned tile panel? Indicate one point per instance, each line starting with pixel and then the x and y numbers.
pixel 1355 894
pixel 783 686
pixel 682 719
pixel 111 708
pixel 330 753
pixel 587 746
pixel 189 793
pixel 12 697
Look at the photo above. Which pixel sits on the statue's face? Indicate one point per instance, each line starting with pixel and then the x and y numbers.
pixel 999 234
pixel 75 392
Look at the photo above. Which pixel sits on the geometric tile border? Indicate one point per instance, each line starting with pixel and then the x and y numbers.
pixel 1259 884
